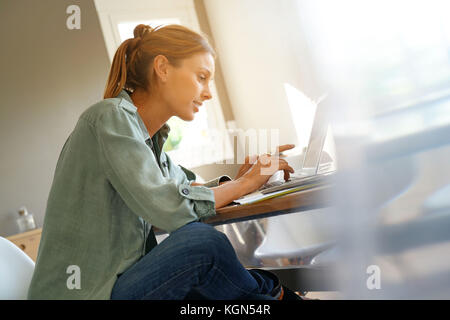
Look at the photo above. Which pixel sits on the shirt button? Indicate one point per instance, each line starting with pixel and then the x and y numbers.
pixel 185 191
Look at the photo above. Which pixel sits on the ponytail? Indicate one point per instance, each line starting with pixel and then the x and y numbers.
pixel 118 73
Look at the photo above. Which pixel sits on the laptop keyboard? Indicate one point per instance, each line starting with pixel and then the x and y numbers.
pixel 296 181
pixel 293 177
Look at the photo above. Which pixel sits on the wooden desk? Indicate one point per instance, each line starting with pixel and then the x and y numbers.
pixel 290 203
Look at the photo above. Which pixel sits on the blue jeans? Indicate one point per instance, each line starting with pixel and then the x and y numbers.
pixel 194 262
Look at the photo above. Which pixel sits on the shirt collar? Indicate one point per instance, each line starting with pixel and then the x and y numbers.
pixel 161 134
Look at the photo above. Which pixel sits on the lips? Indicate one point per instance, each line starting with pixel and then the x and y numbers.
pixel 197 106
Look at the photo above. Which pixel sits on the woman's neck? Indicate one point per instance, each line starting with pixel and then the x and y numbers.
pixel 152 110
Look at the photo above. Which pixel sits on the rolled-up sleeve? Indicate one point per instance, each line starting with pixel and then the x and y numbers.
pixel 132 169
pixel 209 184
pixel 217 181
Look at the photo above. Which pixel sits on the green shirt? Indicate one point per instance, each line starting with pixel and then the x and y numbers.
pixel 109 188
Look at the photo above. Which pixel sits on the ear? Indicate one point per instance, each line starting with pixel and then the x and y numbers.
pixel 161 67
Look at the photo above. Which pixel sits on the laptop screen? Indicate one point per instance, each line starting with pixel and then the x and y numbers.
pixel 316 141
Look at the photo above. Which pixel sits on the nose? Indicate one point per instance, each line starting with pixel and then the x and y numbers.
pixel 206 94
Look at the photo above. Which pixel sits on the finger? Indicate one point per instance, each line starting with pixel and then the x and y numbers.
pixel 282 162
pixel 279 163
pixel 287 171
pixel 285 147
pixel 285 166
pixel 286 175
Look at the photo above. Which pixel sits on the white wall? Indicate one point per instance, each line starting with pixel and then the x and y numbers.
pixel 261 47
pixel 50 75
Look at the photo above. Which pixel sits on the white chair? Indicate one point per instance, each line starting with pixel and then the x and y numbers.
pixel 438 203
pixel 327 258
pixel 16 270
pixel 300 235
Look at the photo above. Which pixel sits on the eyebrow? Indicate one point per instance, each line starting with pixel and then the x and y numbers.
pixel 207 70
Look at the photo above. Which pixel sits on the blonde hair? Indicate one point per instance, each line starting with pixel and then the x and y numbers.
pixel 130 66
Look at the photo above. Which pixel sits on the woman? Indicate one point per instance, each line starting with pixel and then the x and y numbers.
pixel 113 182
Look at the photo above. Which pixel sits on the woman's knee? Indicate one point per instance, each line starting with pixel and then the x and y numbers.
pixel 202 237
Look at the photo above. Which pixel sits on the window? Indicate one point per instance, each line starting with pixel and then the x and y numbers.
pixel 191 144
pixel 390 63
pixel 391 53
pixel 389 60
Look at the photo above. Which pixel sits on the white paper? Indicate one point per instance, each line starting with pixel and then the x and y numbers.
pixel 257 196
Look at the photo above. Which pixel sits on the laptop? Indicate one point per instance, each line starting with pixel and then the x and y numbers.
pixel 311 172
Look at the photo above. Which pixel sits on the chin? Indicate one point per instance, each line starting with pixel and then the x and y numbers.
pixel 187 117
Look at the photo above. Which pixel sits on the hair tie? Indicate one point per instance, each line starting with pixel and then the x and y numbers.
pixel 141 30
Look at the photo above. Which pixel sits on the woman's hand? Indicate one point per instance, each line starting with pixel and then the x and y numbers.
pixel 260 171
pixel 251 176
pixel 251 160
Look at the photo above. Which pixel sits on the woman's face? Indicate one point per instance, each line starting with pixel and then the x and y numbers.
pixel 187 85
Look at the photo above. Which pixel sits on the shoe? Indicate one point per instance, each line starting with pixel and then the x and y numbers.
pixel 288 294
pixel 279 291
